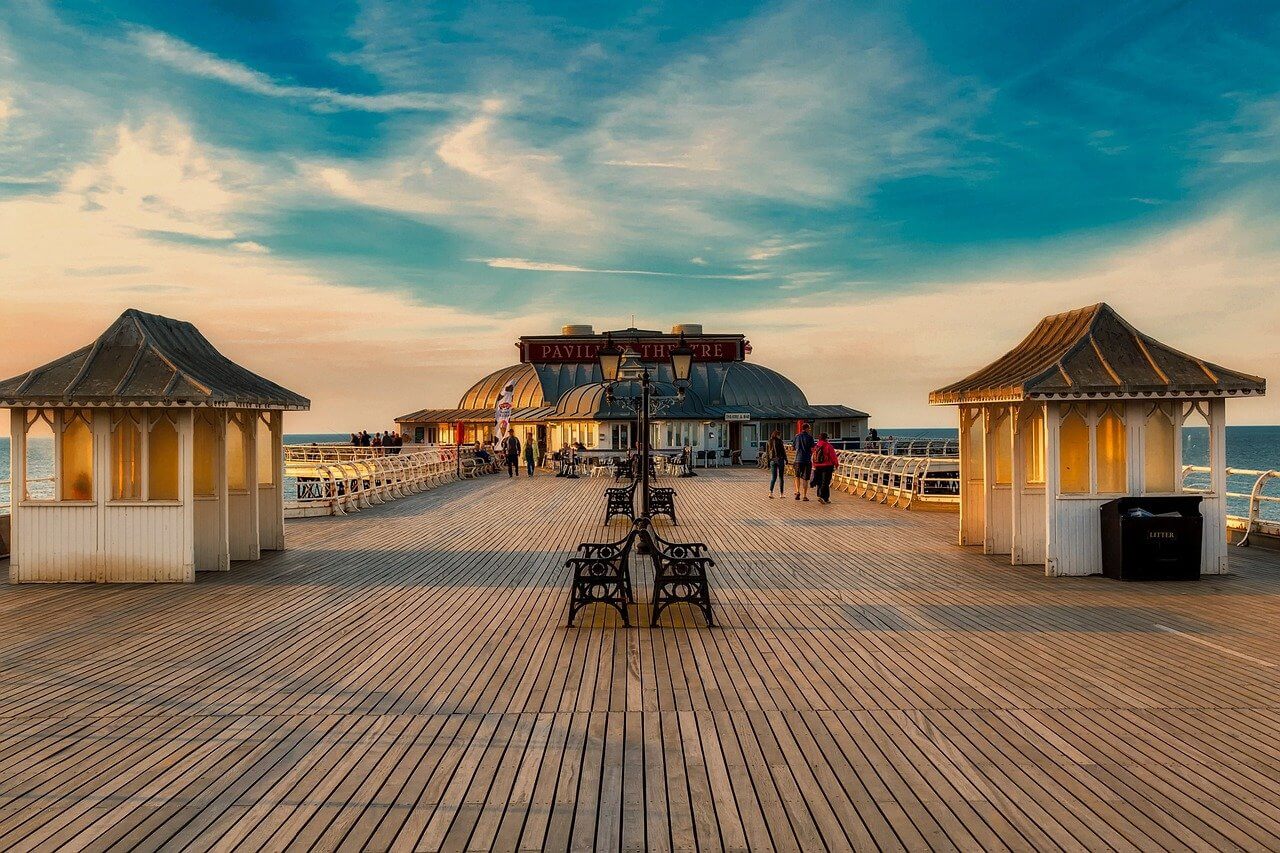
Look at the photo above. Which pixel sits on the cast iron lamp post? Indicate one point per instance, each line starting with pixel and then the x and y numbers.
pixel 617 366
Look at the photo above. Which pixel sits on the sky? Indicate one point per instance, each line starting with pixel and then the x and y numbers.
pixel 369 201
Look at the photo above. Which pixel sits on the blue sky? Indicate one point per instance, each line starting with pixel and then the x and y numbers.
pixel 501 163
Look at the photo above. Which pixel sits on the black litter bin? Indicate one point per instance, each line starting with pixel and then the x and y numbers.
pixel 1152 538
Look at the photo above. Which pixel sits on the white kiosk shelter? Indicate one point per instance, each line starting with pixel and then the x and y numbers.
pixel 1084 410
pixel 144 456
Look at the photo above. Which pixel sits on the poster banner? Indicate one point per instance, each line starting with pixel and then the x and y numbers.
pixel 503 412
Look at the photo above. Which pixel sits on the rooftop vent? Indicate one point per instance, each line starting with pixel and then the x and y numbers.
pixel 686 329
pixel 576 330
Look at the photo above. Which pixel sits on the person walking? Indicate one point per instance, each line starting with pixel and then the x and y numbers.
pixel 824 466
pixel 776 456
pixel 530 453
pixel 802 444
pixel 511 451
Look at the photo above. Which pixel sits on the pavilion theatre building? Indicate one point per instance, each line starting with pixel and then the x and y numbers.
pixel 728 410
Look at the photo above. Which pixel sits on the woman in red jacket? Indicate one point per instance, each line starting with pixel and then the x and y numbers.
pixel 824 467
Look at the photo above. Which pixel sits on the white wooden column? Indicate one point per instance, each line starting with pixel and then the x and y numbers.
pixel 212 519
pixel 1052 419
pixel 271 498
pixel 996 510
pixel 185 421
pixel 972 499
pixel 243 505
pixel 17 485
pixel 1214 557
pixel 1017 479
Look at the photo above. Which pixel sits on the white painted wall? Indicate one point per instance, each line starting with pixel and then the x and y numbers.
pixel 271 498
pixel 242 504
pixel 972 499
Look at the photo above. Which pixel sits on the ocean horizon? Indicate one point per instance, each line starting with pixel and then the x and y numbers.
pixel 1253 448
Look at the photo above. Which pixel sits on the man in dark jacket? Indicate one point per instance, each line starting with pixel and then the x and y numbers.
pixel 802 444
pixel 511 452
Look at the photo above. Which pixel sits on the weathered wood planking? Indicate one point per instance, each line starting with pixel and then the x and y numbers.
pixel 401 679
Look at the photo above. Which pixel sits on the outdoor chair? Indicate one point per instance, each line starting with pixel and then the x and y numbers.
pixel 602 575
pixel 621 468
pixel 620 500
pixel 680 576
pixel 662 502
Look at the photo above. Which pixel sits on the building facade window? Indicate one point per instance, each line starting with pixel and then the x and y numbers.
pixel 163 458
pixel 1110 438
pixel 1033 449
pixel 126 457
pixel 76 455
pixel 204 455
pixel 1073 452
pixel 1159 449
pixel 237 454
pixel 1001 429
pixel 38 455
pixel 265 451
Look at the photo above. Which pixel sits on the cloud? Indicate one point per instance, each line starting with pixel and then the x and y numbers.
pixel 250 246
pixel 75 258
pixel 775 246
pixel 544 266
pixel 808 103
pixel 7 110
pixel 884 352
pixel 651 164
pixel 478 176
pixel 155 177
pixel 190 59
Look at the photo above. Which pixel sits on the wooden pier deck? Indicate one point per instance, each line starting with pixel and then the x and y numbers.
pixel 402 679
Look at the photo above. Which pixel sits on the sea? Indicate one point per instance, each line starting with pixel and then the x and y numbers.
pixel 1254 448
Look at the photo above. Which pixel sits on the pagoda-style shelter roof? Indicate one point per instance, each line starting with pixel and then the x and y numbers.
pixel 1094 353
pixel 147 360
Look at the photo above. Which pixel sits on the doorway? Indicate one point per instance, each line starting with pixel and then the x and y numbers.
pixel 750 442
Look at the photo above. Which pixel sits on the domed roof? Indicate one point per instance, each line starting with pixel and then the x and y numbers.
pixel 589 402
pixel 571 386
pixel 484 394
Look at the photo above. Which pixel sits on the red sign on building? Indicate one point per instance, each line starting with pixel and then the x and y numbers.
pixel 566 350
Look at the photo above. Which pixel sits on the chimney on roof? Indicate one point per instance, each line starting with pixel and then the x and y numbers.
pixel 573 331
pixel 686 329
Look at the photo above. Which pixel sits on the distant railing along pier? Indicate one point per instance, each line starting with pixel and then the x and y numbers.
pixel 341 479
pixel 897 480
pixel 1195 479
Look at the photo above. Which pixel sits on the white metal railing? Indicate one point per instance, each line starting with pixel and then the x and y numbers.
pixel 347 452
pixel 43 487
pixel 935 447
pixel 341 486
pixel 1256 498
pixel 898 480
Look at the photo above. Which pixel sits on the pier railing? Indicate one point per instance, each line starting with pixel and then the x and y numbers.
pixel 900 481
pixel 347 452
pixel 342 486
pixel 41 487
pixel 1255 500
pixel 935 447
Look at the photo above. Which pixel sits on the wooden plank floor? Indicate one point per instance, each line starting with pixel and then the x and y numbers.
pixel 401 679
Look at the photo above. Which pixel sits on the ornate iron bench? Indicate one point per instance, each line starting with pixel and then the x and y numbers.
pixel 602 575
pixel 662 501
pixel 680 576
pixel 620 500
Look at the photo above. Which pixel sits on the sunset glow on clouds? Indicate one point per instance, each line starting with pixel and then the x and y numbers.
pixel 370 206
